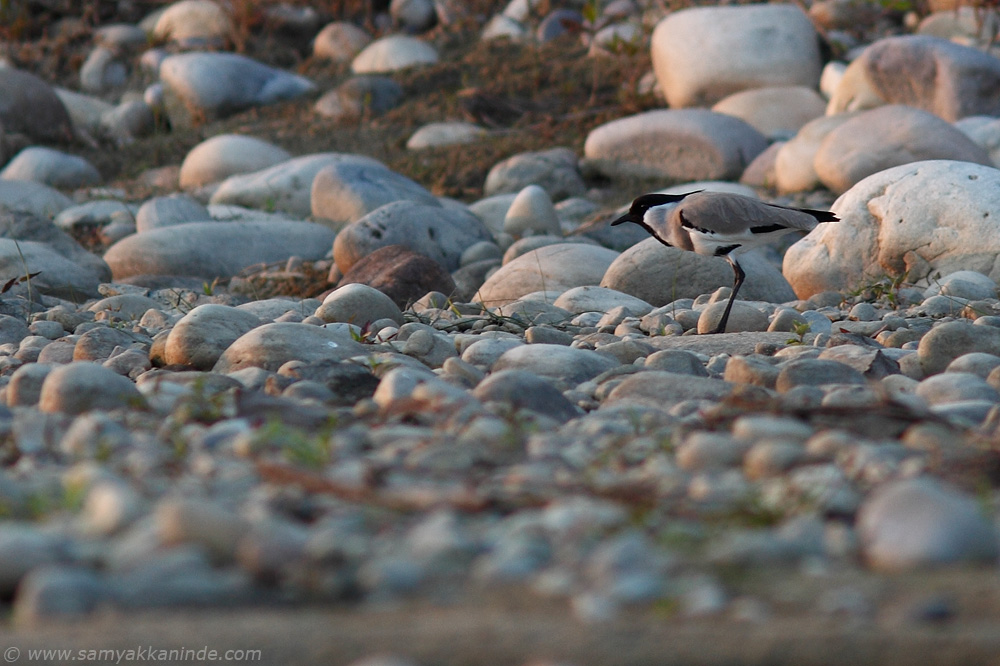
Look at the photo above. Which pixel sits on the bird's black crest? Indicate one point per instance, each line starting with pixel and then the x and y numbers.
pixel 647 201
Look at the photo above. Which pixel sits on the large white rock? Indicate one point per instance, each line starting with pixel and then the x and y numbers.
pixel 674 144
pixel 794 165
pixel 889 136
pixel 937 215
pixel 198 87
pixel 777 112
pixel 659 275
pixel 702 54
pixel 224 155
pixel 554 268
pixel 936 75
pixel 393 53
pixel 287 186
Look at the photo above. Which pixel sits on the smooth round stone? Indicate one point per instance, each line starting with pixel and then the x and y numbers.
pixel 888 136
pixel 950 387
pixel 272 345
pixel 192 20
pixel 951 202
pixel 815 372
pixel 946 342
pixel 286 186
pixel 920 523
pixel 565 366
pixel 434 135
pixel 751 370
pixel 225 155
pixel 209 249
pixel 984 131
pixel 677 361
pixel 777 112
pixel 102 71
pixel 203 334
pixel 359 97
pixel 393 53
pixel 743 317
pixel 705 451
pixel 218 530
pixel 25 385
pixel 129 120
pixel 402 275
pixel 442 234
pixel 98 343
pixel 485 352
pixel 59 593
pixel 674 144
pixel 82 386
pixel 345 192
pixel 702 54
pixel 976 363
pixel 168 211
pixel 662 390
pixel 340 41
pixel 12 330
pixel 525 245
pixel 481 251
pixel 199 87
pixel 967 285
pixel 51 167
pixel 531 212
pixel 964 83
pixel 357 304
pixel 660 275
pixel 553 170
pixel 523 389
pixel 771 458
pixel 554 268
pixel 794 163
pixel 111 506
pixel 32 107
pixel 600 299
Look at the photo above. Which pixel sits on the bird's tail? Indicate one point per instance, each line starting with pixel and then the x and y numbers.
pixel 820 215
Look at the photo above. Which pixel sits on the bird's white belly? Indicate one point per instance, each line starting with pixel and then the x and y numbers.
pixel 715 244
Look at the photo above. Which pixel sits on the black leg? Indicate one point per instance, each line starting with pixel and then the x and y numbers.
pixel 737 283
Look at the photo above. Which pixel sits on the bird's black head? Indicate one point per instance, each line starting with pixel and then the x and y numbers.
pixel 643 203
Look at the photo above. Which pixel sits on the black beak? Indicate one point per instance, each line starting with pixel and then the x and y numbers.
pixel 627 217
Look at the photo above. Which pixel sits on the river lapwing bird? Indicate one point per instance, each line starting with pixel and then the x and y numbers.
pixel 719 224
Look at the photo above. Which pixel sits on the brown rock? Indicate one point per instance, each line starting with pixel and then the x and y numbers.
pixel 401 274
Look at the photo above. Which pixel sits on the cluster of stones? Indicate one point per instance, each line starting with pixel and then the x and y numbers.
pixel 483 400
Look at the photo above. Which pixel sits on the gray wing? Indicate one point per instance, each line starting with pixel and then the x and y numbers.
pixel 725 213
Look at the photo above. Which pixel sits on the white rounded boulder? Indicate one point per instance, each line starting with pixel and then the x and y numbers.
pixel 928 216
pixel 702 54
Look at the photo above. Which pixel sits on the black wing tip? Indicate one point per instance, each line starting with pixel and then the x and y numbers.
pixel 821 215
